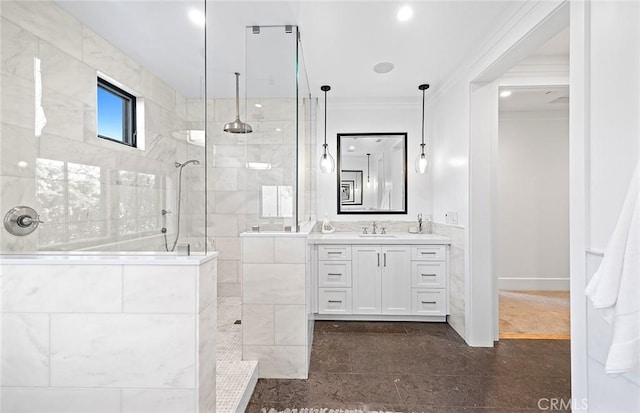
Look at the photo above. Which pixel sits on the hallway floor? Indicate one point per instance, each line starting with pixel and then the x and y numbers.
pixel 420 367
pixel 534 314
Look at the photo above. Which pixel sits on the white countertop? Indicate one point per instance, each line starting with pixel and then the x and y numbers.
pixel 388 239
pixel 104 258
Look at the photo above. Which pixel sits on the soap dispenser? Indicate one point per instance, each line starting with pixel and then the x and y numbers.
pixel 327 227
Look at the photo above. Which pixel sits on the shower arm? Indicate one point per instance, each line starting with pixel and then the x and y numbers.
pixel 237 96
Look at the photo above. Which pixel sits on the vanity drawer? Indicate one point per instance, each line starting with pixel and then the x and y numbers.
pixel 334 300
pixel 428 252
pixel 334 252
pixel 429 302
pixel 334 273
pixel 428 274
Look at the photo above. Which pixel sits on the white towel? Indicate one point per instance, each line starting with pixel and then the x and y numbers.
pixel 615 287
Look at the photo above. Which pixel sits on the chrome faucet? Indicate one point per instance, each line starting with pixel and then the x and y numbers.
pixel 375 226
pixel 420 223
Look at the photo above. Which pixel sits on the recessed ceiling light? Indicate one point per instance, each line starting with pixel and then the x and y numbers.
pixel 197 17
pixel 405 13
pixel 278 129
pixel 505 93
pixel 258 105
pixel 383 67
pixel 352 148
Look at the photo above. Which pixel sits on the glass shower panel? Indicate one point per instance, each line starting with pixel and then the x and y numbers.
pixel 271 110
pixel 306 142
pixel 92 192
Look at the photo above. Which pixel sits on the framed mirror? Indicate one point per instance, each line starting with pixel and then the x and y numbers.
pixel 372 173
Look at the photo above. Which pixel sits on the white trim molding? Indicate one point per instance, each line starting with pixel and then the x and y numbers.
pixel 533 284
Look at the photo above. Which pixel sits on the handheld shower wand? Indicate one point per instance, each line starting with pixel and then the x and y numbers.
pixel 195 162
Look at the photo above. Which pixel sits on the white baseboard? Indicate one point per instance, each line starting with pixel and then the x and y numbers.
pixel 532 284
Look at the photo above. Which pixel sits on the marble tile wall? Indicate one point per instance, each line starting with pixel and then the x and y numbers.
pixel 234 190
pixel 275 305
pixel 108 338
pixel 90 192
pixel 456 275
pixel 103 196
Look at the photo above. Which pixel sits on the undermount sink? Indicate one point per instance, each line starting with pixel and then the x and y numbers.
pixel 376 236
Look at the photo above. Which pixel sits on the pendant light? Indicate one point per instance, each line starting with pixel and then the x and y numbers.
pixel 422 163
pixel 237 126
pixel 327 164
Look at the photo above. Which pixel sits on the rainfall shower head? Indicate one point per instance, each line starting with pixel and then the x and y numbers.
pixel 182 165
pixel 237 126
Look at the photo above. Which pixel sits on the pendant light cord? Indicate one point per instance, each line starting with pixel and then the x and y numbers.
pixel 423 93
pixel 325 119
pixel 325 89
pixel 423 87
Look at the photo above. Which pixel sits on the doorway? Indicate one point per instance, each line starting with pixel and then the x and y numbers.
pixel 531 211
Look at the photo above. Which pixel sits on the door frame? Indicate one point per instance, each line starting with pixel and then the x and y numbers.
pixel 540 82
pixel 481 291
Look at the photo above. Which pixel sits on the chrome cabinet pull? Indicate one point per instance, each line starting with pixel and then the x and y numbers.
pixel 334 252
pixel 378 259
pixel 428 275
pixel 385 259
pixel 428 302
pixel 335 274
pixel 427 253
pixel 335 301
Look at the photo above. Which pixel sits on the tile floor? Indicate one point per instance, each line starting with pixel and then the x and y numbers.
pixel 233 375
pixel 420 367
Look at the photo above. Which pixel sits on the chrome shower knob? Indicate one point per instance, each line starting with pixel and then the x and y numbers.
pixel 21 221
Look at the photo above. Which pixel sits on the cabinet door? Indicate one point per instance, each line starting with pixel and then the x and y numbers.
pixel 396 279
pixel 366 279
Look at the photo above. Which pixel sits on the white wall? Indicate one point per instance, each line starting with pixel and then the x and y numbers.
pixel 532 209
pixel 375 115
pixel 453 126
pixel 605 145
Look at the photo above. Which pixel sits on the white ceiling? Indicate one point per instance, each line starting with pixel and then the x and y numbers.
pixel 535 99
pixel 557 46
pixel 541 98
pixel 342 41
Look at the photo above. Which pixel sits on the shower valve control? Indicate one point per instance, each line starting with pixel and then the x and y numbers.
pixel 21 220
pixel 166 212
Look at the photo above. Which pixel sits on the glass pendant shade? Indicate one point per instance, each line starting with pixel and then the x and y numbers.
pixel 327 163
pixel 422 163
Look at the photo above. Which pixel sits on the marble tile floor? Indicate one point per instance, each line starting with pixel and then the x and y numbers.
pixel 235 379
pixel 420 367
pixel 534 314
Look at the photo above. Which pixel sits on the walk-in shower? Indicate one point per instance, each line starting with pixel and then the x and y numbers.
pixel 94 193
pixel 165 212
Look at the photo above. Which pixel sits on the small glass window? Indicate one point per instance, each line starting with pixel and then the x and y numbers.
pixel 116 114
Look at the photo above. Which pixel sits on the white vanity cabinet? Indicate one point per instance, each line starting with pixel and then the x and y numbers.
pixel 364 280
pixel 382 279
